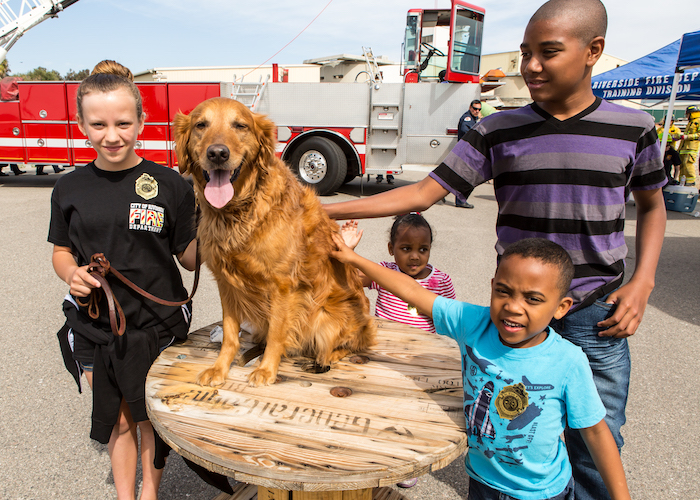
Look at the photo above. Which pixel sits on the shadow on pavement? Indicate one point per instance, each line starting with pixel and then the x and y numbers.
pixel 30 179
pixel 362 188
pixel 677 281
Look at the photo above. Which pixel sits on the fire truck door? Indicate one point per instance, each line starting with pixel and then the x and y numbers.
pixel 153 142
pixel 45 121
pixel 80 148
pixel 11 133
pixel 184 97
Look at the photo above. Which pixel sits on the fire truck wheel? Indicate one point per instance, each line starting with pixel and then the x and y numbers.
pixel 320 164
pixel 349 176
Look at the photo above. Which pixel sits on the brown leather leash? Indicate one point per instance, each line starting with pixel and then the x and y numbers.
pixel 98 268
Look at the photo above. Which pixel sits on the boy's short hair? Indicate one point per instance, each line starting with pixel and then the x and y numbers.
pixel 547 252
pixel 589 16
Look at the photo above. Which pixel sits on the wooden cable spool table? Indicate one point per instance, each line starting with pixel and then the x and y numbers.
pixel 379 417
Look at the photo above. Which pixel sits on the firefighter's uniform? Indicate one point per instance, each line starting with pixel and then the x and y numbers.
pixel 690 142
pixel 673 131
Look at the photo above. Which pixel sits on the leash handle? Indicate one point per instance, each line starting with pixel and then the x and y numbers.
pixel 118 325
pixel 99 267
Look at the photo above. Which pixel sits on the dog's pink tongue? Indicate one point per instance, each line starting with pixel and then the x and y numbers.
pixel 219 189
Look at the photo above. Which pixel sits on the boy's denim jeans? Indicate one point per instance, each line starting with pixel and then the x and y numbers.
pixel 478 491
pixel 610 362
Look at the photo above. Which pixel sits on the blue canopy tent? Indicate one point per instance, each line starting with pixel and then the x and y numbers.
pixel 689 55
pixel 672 72
pixel 651 76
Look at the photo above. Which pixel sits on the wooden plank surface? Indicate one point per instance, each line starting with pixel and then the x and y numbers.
pixel 244 491
pixel 402 419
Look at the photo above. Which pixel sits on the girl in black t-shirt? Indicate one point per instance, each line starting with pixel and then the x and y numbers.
pixel 100 207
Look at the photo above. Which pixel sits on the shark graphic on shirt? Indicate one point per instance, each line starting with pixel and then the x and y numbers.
pixel 483 364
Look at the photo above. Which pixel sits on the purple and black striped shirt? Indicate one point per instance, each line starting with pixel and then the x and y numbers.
pixel 566 181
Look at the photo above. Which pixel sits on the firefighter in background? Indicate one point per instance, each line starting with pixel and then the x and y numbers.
pixel 673 131
pixel 690 141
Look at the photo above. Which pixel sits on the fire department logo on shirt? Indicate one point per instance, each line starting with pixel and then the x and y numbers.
pixel 146 217
pixel 146 187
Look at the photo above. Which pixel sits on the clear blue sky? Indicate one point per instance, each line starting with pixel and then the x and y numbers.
pixel 144 34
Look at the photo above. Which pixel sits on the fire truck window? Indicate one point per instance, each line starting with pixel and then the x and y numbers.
pixel 411 43
pixel 467 43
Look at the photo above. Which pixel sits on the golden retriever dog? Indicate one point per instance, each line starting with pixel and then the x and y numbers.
pixel 267 240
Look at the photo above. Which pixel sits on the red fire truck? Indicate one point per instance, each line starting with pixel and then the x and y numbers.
pixel 41 126
pixel 329 133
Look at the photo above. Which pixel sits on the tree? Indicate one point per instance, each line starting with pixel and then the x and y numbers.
pixel 40 74
pixel 43 74
pixel 77 76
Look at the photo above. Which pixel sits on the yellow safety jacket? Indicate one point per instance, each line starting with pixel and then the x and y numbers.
pixel 672 131
pixel 691 142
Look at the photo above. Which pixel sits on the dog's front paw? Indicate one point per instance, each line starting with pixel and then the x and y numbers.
pixel 261 376
pixel 211 376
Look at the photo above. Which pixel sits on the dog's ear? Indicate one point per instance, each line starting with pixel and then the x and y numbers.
pixel 181 127
pixel 267 138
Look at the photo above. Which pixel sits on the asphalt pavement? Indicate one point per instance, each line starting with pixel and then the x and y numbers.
pixel 45 449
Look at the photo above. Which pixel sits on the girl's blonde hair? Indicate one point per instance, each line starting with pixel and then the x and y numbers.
pixel 108 76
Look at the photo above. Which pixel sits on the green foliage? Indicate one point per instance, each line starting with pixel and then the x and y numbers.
pixel 77 76
pixel 42 74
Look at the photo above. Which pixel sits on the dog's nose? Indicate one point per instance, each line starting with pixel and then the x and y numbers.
pixel 218 153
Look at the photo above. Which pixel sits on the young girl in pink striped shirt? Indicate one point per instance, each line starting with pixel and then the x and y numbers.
pixel 410 240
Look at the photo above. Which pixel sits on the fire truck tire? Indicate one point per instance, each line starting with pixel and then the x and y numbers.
pixel 320 164
pixel 349 176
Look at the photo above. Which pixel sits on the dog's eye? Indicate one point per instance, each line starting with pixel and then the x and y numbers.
pixel 200 125
pixel 240 126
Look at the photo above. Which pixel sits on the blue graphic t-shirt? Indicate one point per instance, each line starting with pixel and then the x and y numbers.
pixel 517 402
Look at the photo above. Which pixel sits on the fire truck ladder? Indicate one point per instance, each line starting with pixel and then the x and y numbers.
pixel 248 93
pixel 372 66
pixel 18 16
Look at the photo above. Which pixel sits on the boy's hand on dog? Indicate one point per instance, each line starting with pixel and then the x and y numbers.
pixel 351 235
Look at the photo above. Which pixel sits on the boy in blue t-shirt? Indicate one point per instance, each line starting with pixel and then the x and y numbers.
pixel 523 383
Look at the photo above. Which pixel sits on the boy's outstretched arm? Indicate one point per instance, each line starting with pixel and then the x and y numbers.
pixel 400 284
pixel 601 445
pixel 418 196
pixel 631 299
